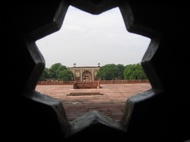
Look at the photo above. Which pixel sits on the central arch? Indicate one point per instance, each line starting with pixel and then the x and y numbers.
pixel 87 76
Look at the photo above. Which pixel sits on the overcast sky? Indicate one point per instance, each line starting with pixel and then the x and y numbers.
pixel 87 40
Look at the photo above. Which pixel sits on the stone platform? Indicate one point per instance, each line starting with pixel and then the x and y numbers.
pixel 111 102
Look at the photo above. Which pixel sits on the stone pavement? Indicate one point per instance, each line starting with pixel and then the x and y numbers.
pixel 111 100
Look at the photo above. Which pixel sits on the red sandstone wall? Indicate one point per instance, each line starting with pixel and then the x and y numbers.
pixel 101 82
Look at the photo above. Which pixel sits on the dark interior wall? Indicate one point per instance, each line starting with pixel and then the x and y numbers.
pixel 160 114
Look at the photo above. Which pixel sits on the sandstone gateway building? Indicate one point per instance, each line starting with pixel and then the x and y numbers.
pixel 85 73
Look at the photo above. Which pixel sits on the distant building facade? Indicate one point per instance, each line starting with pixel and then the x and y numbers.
pixel 85 73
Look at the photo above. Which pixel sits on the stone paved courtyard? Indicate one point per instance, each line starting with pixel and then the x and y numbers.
pixel 109 100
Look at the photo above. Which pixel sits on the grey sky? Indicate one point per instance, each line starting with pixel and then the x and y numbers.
pixel 87 40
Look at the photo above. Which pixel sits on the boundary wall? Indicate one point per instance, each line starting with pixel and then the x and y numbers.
pixel 56 82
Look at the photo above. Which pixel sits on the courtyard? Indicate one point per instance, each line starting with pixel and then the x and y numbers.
pixel 110 99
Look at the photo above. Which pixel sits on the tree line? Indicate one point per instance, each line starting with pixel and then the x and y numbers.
pixel 107 72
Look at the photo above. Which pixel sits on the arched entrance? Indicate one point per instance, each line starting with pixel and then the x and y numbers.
pixel 87 76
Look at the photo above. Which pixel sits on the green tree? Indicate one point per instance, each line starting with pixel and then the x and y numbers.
pixel 121 69
pixel 140 72
pixel 44 75
pixel 128 73
pixel 111 71
pixel 55 70
pixel 66 75
pixel 134 72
